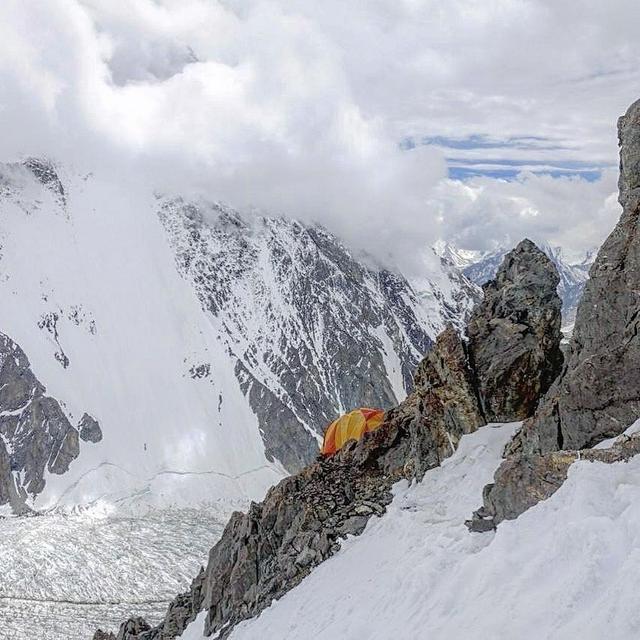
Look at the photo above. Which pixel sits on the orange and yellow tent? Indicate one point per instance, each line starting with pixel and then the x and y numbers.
pixel 350 426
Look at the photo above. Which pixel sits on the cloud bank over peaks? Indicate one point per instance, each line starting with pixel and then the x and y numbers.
pixel 304 109
pixel 565 211
pixel 253 108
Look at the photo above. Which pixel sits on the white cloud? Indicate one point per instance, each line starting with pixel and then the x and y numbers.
pixel 486 213
pixel 299 107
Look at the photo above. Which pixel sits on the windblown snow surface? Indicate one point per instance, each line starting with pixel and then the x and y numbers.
pixel 567 568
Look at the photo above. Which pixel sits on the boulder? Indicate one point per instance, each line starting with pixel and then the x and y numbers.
pixel 514 335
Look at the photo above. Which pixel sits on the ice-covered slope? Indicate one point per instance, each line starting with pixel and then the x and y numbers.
pixel 211 350
pixel 90 292
pixel 567 568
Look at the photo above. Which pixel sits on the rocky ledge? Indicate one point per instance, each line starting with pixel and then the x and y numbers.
pixel 268 550
pixel 522 482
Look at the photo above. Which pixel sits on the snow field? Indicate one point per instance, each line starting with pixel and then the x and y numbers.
pixel 565 569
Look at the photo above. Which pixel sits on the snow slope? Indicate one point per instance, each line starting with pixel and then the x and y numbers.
pixel 130 329
pixel 212 351
pixel 565 569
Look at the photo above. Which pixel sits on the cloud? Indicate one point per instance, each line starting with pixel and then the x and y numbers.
pixel 564 211
pixel 302 108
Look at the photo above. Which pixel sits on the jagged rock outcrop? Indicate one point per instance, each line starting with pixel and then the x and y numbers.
pixel 89 429
pixel 444 387
pixel 35 434
pixel 597 395
pixel 46 173
pixel 572 275
pixel 514 335
pixel 267 551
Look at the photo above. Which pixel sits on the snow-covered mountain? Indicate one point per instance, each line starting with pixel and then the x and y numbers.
pixel 460 258
pixel 480 267
pixel 178 352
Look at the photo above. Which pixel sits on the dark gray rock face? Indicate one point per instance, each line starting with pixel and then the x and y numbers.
pixel 45 172
pixel 292 446
pixel 514 335
pixel 573 276
pixel 311 327
pixel 89 429
pixel 443 407
pixel 36 435
pixel 597 395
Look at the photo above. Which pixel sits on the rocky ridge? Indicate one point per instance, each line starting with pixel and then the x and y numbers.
pixel 597 395
pixel 268 550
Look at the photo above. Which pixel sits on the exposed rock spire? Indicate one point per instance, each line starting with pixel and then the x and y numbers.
pixel 514 335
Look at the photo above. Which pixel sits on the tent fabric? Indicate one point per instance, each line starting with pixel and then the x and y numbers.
pixel 350 426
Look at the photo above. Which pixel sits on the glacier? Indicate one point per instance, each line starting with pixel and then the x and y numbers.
pixel 65 575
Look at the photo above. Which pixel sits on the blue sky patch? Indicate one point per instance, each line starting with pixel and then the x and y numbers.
pixel 483 142
pixel 464 168
pixel 466 173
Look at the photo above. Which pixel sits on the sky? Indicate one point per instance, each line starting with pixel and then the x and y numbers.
pixel 392 122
